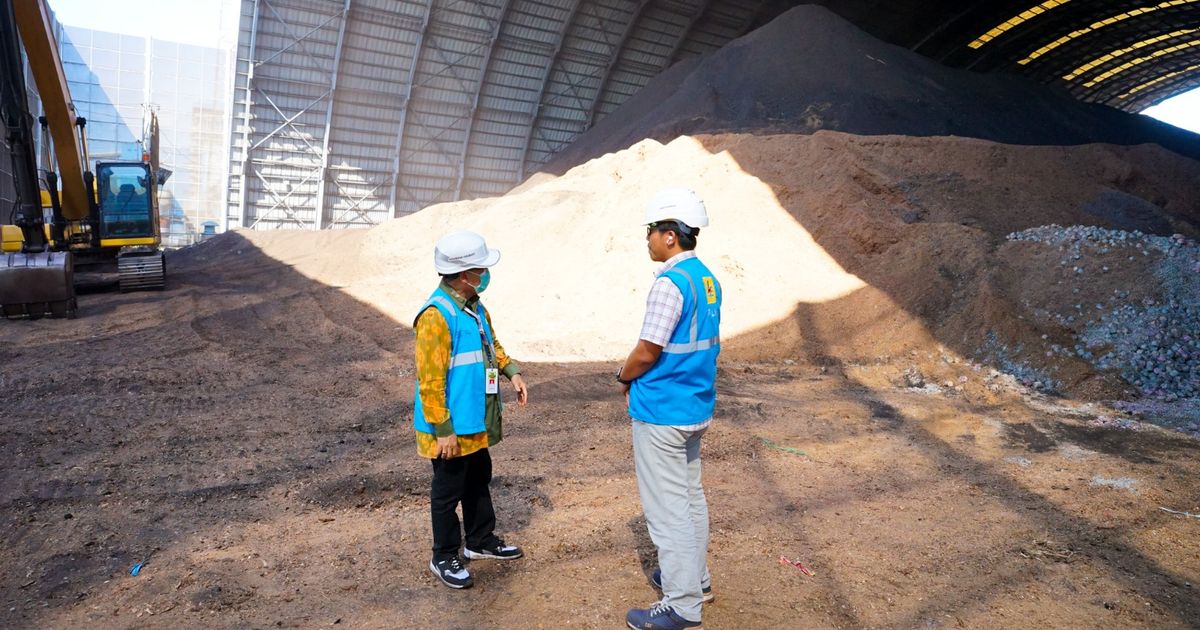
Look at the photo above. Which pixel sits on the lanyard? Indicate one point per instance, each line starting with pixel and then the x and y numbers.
pixel 483 338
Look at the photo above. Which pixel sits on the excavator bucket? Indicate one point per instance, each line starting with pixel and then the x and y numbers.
pixel 37 285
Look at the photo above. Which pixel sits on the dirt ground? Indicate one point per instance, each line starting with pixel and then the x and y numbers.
pixel 246 437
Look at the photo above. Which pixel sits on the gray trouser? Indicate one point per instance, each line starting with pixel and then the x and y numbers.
pixel 668 474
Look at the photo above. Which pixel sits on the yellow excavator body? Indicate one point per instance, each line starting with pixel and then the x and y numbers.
pixel 99 227
pixel 10 238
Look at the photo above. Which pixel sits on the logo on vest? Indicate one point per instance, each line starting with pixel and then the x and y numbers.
pixel 710 290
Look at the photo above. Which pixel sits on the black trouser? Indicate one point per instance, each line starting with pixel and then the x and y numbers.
pixel 461 479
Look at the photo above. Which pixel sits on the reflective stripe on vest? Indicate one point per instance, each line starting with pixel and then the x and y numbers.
pixel 466 358
pixel 693 344
pixel 446 305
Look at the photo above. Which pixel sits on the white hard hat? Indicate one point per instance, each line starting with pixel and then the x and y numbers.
pixel 463 250
pixel 680 204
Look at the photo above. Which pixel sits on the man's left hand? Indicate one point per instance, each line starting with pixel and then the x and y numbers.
pixel 518 383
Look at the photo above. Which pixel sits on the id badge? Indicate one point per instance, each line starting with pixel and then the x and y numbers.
pixel 491 383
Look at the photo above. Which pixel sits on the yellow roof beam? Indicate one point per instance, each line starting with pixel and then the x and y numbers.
pixel 1153 82
pixel 1095 26
pixel 1016 21
pixel 1103 59
pixel 1140 60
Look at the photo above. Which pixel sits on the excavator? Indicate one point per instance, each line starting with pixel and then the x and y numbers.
pixel 70 227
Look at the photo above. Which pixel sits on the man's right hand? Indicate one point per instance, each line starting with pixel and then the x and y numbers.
pixel 448 447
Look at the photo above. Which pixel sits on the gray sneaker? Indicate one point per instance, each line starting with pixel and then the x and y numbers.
pixel 706 594
pixel 451 572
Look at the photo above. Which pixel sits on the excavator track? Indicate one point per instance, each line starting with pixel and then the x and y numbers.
pixel 142 271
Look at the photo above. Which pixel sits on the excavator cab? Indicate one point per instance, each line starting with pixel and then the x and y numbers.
pixel 128 224
pixel 126 195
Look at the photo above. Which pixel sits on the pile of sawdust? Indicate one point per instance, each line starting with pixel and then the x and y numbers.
pixel 572 281
pixel 828 245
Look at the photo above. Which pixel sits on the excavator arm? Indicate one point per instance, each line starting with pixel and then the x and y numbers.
pixel 36 281
pixel 41 47
pixel 18 132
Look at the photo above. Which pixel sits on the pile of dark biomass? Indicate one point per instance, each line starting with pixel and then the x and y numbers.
pixel 809 70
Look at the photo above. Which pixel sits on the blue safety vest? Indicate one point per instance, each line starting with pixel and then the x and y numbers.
pixel 680 388
pixel 465 391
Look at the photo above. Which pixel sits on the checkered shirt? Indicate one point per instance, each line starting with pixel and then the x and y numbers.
pixel 664 305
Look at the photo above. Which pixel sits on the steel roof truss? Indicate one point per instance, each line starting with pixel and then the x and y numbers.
pixel 318 218
pixel 537 104
pixel 281 201
pixel 363 214
pixel 634 18
pixel 408 88
pixel 449 67
pixel 288 122
pixel 698 13
pixel 299 40
pixel 485 67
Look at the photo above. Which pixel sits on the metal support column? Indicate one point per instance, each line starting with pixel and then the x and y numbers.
pixel 250 63
pixel 612 64
pixel 485 67
pixel 408 87
pixel 537 104
pixel 687 32
pixel 319 211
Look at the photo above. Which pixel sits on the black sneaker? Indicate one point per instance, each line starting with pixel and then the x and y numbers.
pixel 451 572
pixel 497 550
pixel 706 594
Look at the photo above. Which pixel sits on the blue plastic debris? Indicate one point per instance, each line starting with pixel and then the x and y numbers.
pixel 137 568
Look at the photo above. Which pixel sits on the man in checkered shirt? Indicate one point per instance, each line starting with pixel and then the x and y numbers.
pixel 669 380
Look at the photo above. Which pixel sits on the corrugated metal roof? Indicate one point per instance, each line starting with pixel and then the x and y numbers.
pixel 350 112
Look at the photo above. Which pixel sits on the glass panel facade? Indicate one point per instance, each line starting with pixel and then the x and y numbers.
pixel 189 86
